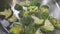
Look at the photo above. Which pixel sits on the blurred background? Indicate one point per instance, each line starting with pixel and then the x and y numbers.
pixel 54 9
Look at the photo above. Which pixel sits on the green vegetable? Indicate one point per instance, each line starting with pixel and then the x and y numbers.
pixel 37 21
pixel 27 20
pixel 47 27
pixel 38 31
pixel 8 13
pixel 35 2
pixel 12 18
pixel 23 14
pixel 27 3
pixel 44 8
pixel 30 30
pixel 17 29
pixel 44 15
pixel 32 10
pixel 57 26
pixel 55 22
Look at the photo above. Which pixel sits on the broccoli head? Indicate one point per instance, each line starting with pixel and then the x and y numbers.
pixel 47 26
pixel 27 3
pixel 44 8
pixel 38 31
pixel 30 30
pixel 55 22
pixel 27 20
pixel 17 29
pixel 37 21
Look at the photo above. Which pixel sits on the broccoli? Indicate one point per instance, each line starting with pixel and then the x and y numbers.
pixel 7 13
pixel 33 10
pixel 35 3
pixel 55 22
pixel 30 30
pixel 13 18
pixel 44 8
pixel 57 26
pixel 47 26
pixel 38 31
pixel 23 14
pixel 37 21
pixel 17 29
pixel 27 3
pixel 44 15
pixel 27 20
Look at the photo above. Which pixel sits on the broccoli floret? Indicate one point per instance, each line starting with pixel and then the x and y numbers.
pixel 27 3
pixel 26 13
pixel 55 22
pixel 32 10
pixel 13 18
pixel 7 13
pixel 47 26
pixel 44 15
pixel 27 20
pixel 37 21
pixel 17 29
pixel 23 14
pixel 30 30
pixel 35 3
pixel 38 31
pixel 44 8
pixel 57 26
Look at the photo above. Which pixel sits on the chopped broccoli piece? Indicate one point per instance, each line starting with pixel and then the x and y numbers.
pixel 23 14
pixel 27 20
pixel 53 21
pixel 57 26
pixel 17 29
pixel 7 13
pixel 30 30
pixel 35 2
pixel 44 15
pixel 44 8
pixel 47 26
pixel 27 3
pixel 32 10
pixel 38 31
pixel 37 21
pixel 13 18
